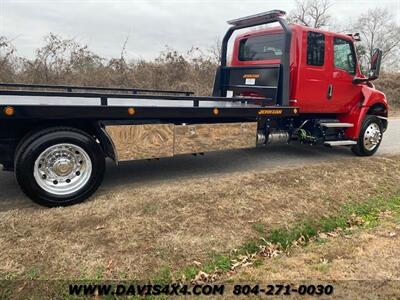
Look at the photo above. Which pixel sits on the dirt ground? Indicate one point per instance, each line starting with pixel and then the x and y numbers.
pixel 133 232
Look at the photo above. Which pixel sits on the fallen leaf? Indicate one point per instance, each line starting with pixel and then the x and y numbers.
pixel 332 234
pixel 323 235
pixel 201 277
pixel 324 261
pixel 355 220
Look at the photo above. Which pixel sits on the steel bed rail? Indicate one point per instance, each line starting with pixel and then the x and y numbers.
pixel 246 108
pixel 105 96
pixel 71 88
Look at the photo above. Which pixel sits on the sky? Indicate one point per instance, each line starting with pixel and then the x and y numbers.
pixel 150 25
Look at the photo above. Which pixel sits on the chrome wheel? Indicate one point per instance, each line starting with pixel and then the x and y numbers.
pixel 372 136
pixel 62 169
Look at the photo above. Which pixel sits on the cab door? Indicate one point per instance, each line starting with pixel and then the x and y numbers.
pixel 315 73
pixel 342 93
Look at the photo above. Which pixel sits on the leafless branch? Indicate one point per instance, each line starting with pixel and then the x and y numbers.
pixel 378 30
pixel 312 13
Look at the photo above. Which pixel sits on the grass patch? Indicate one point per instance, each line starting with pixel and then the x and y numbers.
pixel 367 211
pixel 257 263
pixel 397 217
pixel 190 272
pixel 218 262
pixel 259 228
pixel 321 267
pixel 285 237
pixel 33 273
pixel 331 224
pixel 164 276
pixel 321 241
pixel 371 221
pixel 249 247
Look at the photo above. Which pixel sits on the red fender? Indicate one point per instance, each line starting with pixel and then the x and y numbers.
pixel 356 116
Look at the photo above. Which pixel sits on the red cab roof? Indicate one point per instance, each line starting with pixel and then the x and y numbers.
pixel 295 28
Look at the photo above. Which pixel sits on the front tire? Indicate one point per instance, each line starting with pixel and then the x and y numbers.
pixel 370 137
pixel 59 166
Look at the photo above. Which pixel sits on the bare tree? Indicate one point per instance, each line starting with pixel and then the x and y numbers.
pixel 216 50
pixel 120 64
pixel 6 48
pixel 378 30
pixel 8 61
pixel 312 13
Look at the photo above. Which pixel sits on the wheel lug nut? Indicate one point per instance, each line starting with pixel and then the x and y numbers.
pixel 68 180
pixel 44 176
pixel 78 173
pixel 55 182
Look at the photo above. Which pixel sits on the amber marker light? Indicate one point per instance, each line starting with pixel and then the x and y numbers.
pixel 9 111
pixel 295 110
pixel 215 111
pixel 131 111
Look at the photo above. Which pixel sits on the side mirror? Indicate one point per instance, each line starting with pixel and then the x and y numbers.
pixel 375 64
pixel 375 68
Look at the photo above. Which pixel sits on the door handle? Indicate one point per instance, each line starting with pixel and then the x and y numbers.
pixel 330 91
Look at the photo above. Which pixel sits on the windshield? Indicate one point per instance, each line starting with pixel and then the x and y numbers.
pixel 264 47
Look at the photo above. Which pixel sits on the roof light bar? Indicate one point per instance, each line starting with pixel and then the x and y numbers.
pixel 257 19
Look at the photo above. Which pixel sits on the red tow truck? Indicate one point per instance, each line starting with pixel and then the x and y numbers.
pixel 283 83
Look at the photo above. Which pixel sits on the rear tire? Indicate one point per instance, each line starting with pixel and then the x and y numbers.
pixel 59 166
pixel 370 137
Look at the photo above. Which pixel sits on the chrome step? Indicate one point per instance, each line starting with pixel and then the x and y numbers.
pixel 337 125
pixel 340 143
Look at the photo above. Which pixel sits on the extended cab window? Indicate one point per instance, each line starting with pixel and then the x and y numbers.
pixel 315 48
pixel 264 47
pixel 344 56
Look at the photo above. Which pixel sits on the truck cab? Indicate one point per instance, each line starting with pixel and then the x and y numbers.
pixel 323 65
pixel 315 70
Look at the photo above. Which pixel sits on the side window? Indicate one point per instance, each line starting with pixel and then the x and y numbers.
pixel 315 48
pixel 344 56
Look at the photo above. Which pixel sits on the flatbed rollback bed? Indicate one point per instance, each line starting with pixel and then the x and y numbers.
pixel 56 137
